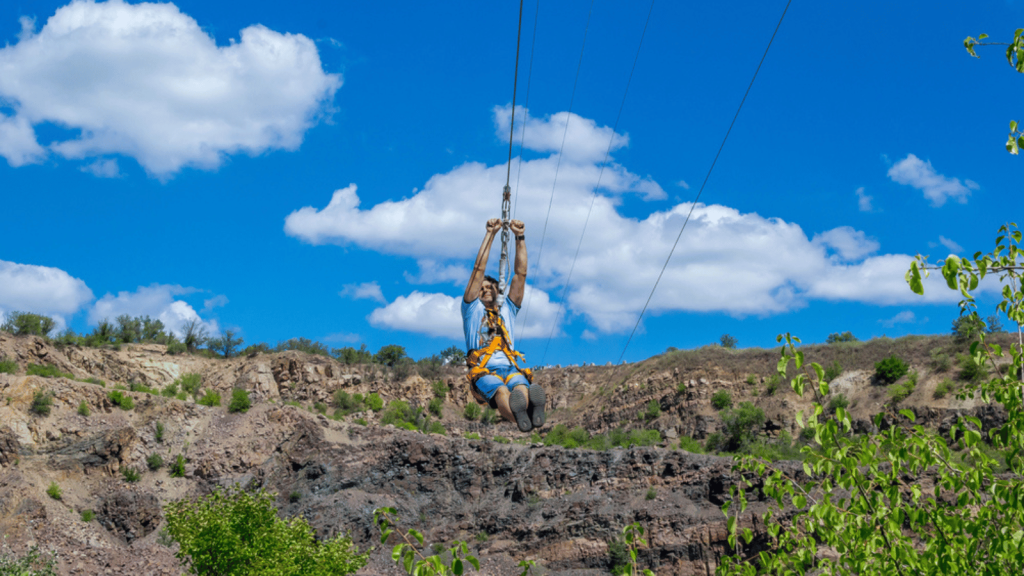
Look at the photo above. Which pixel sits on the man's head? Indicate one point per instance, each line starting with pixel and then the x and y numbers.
pixel 489 291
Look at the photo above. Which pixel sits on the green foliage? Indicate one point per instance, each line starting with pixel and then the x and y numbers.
pixel 83 408
pixel 435 406
pixel 320 407
pixel 429 367
pixel 652 493
pixel 130 474
pixel 653 410
pixel 94 380
pixel 295 496
pixel 472 411
pixel 47 371
pixel 361 421
pixel 580 437
pixel 374 402
pixel 42 402
pixel 489 416
pixel 622 551
pixel 453 355
pixel 8 366
pixel 174 348
pixel 900 392
pixel 346 402
pixel 833 371
pixel 939 360
pixel 171 390
pixel 943 388
pixel 87 516
pixel 741 425
pixel 226 344
pixel 721 400
pixel 966 328
pixel 350 355
pixel 24 323
pixel 771 386
pixel 751 379
pixel 838 401
pixel 155 461
pixel 240 401
pixel 690 445
pixel 836 337
pixel 390 355
pixel 239 532
pixel 178 467
pixel 891 369
pixel 501 440
pixel 971 370
pixel 193 334
pixel 440 389
pixel 190 382
pixel 159 435
pixel 410 554
pixel 728 341
pixel 32 563
pixel 471 436
pixel 911 503
pixel 436 427
pixel 121 400
pixel 54 491
pixel 137 387
pixel 303 345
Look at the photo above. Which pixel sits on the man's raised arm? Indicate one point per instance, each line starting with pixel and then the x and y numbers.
pixel 518 285
pixel 476 278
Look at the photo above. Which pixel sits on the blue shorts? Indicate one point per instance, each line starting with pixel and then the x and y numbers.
pixel 506 376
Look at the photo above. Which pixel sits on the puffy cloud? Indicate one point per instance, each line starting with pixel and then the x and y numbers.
pixel 215 302
pixel 145 81
pixel 863 200
pixel 436 314
pixel 951 245
pixel 726 260
pixel 849 244
pixel 434 272
pixel 366 290
pixel 905 317
pixel 584 140
pixel 156 301
pixel 41 290
pixel 103 168
pixel 937 188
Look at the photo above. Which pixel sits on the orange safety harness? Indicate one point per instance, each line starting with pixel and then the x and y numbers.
pixel 477 359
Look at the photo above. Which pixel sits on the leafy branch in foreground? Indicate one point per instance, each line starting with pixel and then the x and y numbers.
pixel 1015 57
pixel 633 538
pixel 905 500
pixel 412 560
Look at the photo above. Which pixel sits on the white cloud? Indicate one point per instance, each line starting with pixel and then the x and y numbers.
pixel 434 272
pixel 436 314
pixel 366 290
pixel 343 337
pixel 863 200
pixel 951 245
pixel 156 301
pixel 937 188
pixel 215 302
pixel 682 184
pixel 849 244
pixel 726 261
pixel 905 317
pixel 588 335
pixel 103 168
pixel 145 81
pixel 41 290
pixel 585 141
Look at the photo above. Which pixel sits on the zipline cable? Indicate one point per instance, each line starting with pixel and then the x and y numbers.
pixel 706 177
pixel 526 110
pixel 506 194
pixel 558 163
pixel 607 153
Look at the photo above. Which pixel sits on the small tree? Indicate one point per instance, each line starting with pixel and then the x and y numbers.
pixel 193 334
pixel 240 401
pixel 226 344
pixel 390 355
pixel 24 323
pixel 129 329
pixel 453 355
pixel 728 341
pixel 836 337
pixel 891 369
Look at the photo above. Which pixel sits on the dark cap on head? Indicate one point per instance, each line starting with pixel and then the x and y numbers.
pixel 491 279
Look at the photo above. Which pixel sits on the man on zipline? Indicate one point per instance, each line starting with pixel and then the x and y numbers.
pixel 494 373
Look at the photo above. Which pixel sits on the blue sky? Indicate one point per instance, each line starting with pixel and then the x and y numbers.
pixel 325 170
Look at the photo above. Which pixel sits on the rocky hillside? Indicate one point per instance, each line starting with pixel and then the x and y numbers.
pixel 511 497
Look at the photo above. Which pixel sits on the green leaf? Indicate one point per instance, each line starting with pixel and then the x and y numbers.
pixel 457 567
pixel 908 414
pixel 476 563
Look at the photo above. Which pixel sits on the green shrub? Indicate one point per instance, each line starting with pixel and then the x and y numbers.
pixel 943 388
pixel 472 411
pixel 130 474
pixel 721 400
pixel 681 388
pixel 171 390
pixel 970 371
pixel 899 392
pixel 181 396
pixel 121 400
pixel 651 494
pixel 83 408
pixel 54 491
pixel 174 348
pixel 190 382
pixel 940 361
pixel 471 436
pixel 295 496
pixel 440 390
pixel 501 440
pixel 436 427
pixel 728 341
pixel 159 435
pixel 88 515
pixel 345 401
pixel 47 371
pixel 374 402
pixel 361 421
pixel 741 425
pixel 715 442
pixel 292 403
pixel 240 401
pixel 751 379
pixel 891 369
pixel 42 401
pixel 136 387
pixel 178 467
pixel 838 401
pixel 211 399
pixel 690 445
pixel 7 366
pixel 435 406
pixel 579 437
pixel 832 371
pixel 653 410
pixel 239 532
pixel 489 416
pixel 32 563
pixel 94 380
pixel 24 323
pixel 772 385
pixel 155 461
pixel 836 337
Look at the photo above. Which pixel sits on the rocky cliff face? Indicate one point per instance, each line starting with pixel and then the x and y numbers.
pixel 511 501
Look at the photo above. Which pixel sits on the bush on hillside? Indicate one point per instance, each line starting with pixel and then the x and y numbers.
pixel 238 532
pixel 189 383
pixel 25 323
pixel 472 411
pixel 728 341
pixel 121 400
pixel 741 425
pixel 211 399
pixel 836 337
pixel 31 563
pixel 833 371
pixel 240 401
pixel 7 366
pixel 891 369
pixel 47 371
pixel 42 401
pixel 721 400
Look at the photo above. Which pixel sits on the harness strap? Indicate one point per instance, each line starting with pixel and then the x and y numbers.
pixel 477 359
